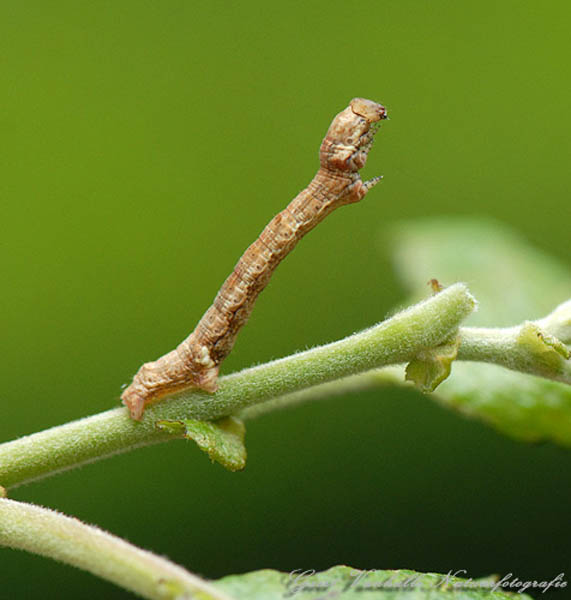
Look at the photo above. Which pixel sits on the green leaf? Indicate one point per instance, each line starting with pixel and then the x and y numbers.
pixel 513 283
pixel 222 440
pixel 546 348
pixel 432 366
pixel 347 583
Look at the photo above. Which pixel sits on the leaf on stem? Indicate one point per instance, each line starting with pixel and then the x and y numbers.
pixel 222 440
pixel 513 283
pixel 546 348
pixel 432 366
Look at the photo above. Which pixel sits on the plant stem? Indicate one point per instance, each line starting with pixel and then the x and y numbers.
pixel 534 348
pixel 514 348
pixel 370 380
pixel 49 533
pixel 393 341
pixel 558 323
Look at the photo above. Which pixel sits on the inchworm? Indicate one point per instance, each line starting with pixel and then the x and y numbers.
pixel 195 362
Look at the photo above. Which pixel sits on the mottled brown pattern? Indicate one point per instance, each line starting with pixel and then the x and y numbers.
pixel 195 362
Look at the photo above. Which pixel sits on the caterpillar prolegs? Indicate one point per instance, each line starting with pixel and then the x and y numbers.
pixel 195 362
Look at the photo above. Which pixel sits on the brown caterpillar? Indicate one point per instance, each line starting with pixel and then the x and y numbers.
pixel 195 362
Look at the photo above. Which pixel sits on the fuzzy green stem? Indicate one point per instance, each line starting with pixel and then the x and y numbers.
pixel 393 341
pixel 371 380
pixel 535 348
pixel 558 323
pixel 521 349
pixel 49 533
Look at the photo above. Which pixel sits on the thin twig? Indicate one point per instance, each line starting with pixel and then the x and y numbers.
pixel 534 348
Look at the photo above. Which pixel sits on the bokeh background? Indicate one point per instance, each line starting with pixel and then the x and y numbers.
pixel 146 144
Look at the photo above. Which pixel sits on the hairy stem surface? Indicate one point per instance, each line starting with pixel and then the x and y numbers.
pixel 534 348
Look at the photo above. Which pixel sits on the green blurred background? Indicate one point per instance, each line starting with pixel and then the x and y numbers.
pixel 146 144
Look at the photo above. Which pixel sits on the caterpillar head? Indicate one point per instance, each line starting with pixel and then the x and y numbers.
pixel 350 136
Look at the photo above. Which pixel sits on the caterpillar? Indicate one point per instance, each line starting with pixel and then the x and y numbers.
pixel 195 362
